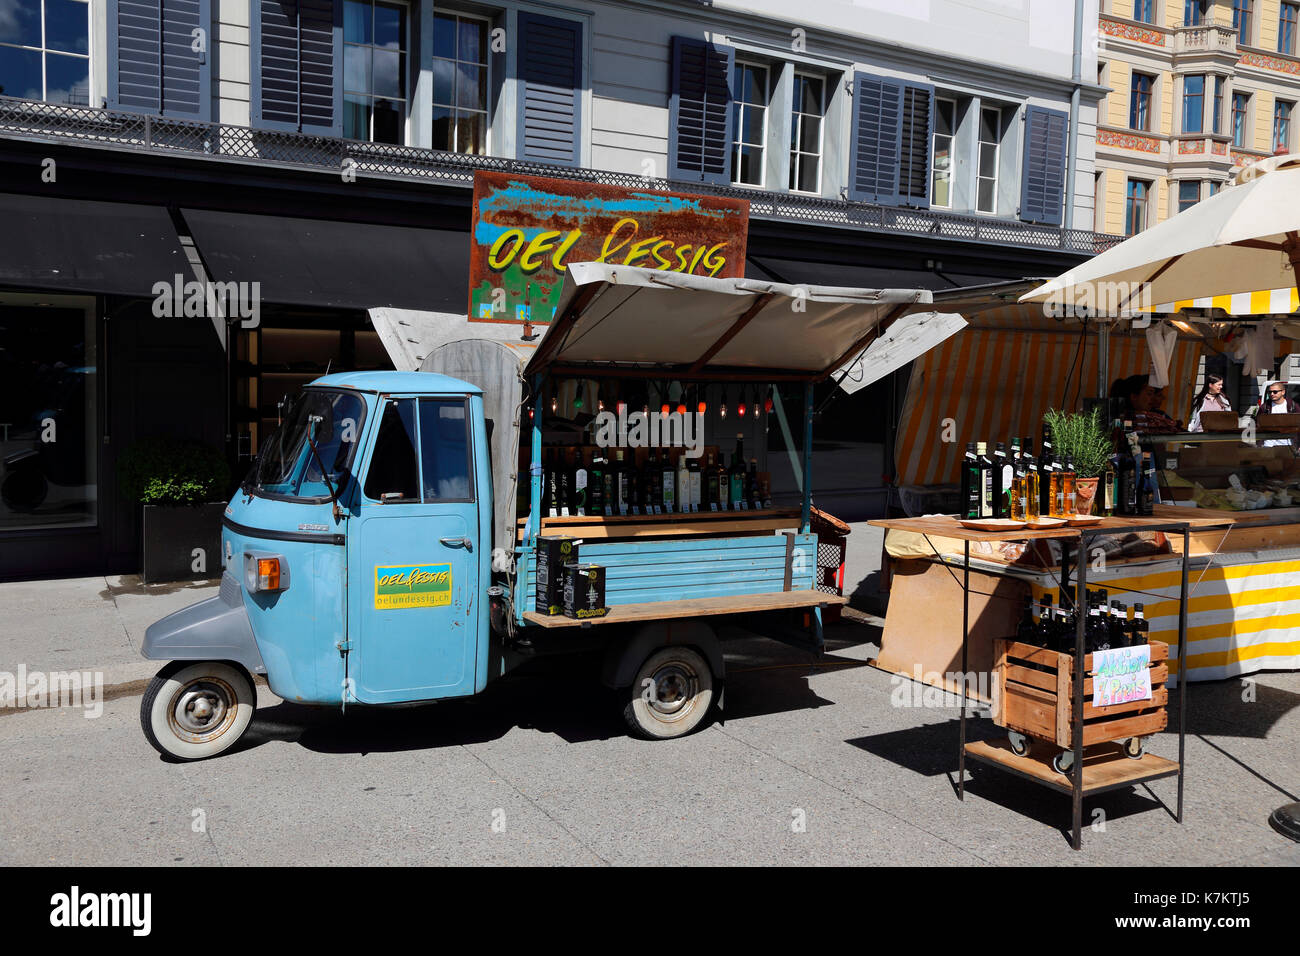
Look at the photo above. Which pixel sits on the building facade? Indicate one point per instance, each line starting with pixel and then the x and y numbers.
pixel 1198 89
pixel 319 155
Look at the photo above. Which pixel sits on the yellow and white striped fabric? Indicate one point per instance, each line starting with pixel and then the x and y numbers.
pixel 1268 302
pixel 995 384
pixel 1243 611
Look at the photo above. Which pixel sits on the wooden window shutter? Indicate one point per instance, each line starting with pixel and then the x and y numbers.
pixel 1042 177
pixel 550 89
pixel 700 120
pixel 152 64
pixel 914 145
pixel 297 66
pixel 874 149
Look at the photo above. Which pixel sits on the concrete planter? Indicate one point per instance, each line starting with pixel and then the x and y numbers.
pixel 182 543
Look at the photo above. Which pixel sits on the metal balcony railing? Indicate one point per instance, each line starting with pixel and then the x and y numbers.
pixel 110 129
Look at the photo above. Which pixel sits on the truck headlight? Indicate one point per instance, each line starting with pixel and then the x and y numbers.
pixel 264 571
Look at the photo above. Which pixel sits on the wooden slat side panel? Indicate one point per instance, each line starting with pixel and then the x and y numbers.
pixel 1159 698
pixel 700 607
pixel 1044 680
pixel 1030 711
pixel 1159 675
pixel 1064 708
pixel 1139 726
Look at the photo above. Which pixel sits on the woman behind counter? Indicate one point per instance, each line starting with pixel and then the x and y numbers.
pixel 1211 399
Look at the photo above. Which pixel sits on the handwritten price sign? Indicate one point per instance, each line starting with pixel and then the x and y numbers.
pixel 1120 675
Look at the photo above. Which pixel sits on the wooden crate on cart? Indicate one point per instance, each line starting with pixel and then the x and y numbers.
pixel 1033 691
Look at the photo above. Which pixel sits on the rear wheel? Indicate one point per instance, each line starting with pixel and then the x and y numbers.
pixel 194 711
pixel 671 694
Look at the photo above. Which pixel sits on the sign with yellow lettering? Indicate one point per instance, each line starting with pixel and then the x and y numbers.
pixel 527 229
pixel 412 585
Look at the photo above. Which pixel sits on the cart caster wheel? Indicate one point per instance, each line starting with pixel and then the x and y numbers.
pixel 1135 747
pixel 1063 762
pixel 1019 743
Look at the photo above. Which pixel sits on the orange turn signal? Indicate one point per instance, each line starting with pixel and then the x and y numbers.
pixel 268 574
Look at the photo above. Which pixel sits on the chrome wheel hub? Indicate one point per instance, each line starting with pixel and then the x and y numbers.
pixel 202 709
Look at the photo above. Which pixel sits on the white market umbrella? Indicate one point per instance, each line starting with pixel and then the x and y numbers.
pixel 1245 239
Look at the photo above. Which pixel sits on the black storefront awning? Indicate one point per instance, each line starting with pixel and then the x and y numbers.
pixel 69 245
pixel 854 276
pixel 351 265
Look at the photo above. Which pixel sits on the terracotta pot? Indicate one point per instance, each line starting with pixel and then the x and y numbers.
pixel 1085 492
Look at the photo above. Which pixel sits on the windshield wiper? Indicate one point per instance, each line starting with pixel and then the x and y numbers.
pixel 311 442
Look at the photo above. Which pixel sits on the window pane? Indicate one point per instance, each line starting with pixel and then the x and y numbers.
pixel 67 25
pixel 988 159
pixel 444 36
pixel 752 85
pixel 444 451
pixel 20 23
pixel 389 79
pixel 473 41
pixel 390 121
pixel 392 466
pixel 942 186
pixel 809 99
pixel 810 128
pixel 444 82
pixel 67 79
pixel 356 22
pixel 471 134
pixel 471 86
pixel 442 128
pixel 986 195
pixel 390 26
pixel 809 167
pixel 20 73
pixel 751 165
pixel 356 116
pixel 356 69
pixel 752 125
pixel 990 126
pixel 944 117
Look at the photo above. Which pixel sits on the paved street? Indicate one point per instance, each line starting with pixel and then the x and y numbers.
pixel 543 756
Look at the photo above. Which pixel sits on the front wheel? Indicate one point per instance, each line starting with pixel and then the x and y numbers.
pixel 671 694
pixel 193 711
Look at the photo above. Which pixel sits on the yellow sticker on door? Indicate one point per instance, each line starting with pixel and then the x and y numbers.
pixel 412 585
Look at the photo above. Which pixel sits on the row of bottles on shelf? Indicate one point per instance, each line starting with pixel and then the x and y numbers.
pixel 1023 486
pixel 1108 626
pixel 575 483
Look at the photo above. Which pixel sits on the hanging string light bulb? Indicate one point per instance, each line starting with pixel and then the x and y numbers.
pixel 757 392
pixel 577 399
pixel 767 403
pixel 722 409
pixel 740 405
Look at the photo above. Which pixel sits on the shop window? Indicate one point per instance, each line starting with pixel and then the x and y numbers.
pixel 1135 206
pixel 48 416
pixel 45 51
pixel 806 133
pixel 1139 116
pixel 460 83
pixel 1286 28
pixel 375 43
pixel 749 122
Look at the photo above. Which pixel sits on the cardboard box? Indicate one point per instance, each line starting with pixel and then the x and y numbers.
pixel 553 553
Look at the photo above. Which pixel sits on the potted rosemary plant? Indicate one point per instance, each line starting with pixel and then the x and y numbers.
pixel 1082 439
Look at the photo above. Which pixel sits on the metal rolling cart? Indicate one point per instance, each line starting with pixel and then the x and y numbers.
pixel 1104 769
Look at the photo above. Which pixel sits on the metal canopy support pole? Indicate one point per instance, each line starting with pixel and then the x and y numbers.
pixel 1103 358
pixel 805 521
pixel 1076 722
pixel 535 468
pixel 965 638
pixel 1182 671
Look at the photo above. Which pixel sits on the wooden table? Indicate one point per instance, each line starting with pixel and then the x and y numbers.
pixel 1096 773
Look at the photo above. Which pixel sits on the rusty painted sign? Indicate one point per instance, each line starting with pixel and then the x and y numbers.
pixel 527 229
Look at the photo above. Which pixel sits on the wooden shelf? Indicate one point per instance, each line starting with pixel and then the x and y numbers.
pixel 696 607
pixel 1105 767
pixel 669 526
pixel 947 526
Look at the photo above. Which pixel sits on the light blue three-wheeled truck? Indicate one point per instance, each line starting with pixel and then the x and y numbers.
pixel 381 550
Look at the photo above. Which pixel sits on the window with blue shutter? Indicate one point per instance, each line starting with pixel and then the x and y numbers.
pixel 1042 176
pixel 916 136
pixel 876 134
pixel 153 66
pixel 700 115
pixel 297 65
pixel 550 89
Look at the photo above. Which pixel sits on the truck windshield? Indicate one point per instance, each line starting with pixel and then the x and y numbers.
pixel 287 468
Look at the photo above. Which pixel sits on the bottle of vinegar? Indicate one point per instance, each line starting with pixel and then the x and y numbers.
pixel 1018 492
pixel 1058 489
pixel 1070 505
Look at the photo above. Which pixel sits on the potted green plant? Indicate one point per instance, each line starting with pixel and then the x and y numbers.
pixel 1081 438
pixel 181 486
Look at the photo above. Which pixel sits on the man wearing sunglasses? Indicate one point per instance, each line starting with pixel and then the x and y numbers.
pixel 1276 402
